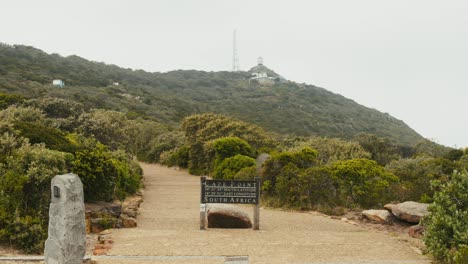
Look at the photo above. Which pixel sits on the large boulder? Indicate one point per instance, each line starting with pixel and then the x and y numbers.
pixel 227 216
pixel 408 211
pixel 380 216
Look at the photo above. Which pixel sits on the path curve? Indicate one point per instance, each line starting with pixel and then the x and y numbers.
pixel 169 226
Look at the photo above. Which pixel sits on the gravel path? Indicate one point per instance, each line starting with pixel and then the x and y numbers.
pixel 169 227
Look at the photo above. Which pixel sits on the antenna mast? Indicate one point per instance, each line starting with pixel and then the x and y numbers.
pixel 235 55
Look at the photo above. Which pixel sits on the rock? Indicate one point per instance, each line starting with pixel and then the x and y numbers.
pixel 227 216
pixel 96 228
pixel 380 216
pixel 128 222
pixel 103 246
pixel 103 209
pixel 66 242
pixel 100 252
pixel 133 202
pixel 129 212
pixel 416 231
pixel 408 211
pixel 105 232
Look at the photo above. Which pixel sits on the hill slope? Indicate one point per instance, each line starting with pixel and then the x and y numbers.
pixel 286 108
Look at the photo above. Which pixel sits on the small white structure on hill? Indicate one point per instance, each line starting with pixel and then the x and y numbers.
pixel 58 83
pixel 264 75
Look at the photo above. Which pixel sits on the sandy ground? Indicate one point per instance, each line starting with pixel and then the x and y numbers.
pixel 169 226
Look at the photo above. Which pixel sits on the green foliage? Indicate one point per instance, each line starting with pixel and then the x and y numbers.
pixel 363 182
pixel 229 167
pixel 129 174
pixel 446 235
pixel 9 99
pixel 28 233
pixel 97 172
pixel 201 129
pixel 25 194
pixel 428 148
pixel 51 137
pixel 416 175
pixel 333 149
pixel 108 127
pixel 382 150
pixel 273 167
pixel 230 146
pixel 178 156
pixel 105 175
pixel 454 154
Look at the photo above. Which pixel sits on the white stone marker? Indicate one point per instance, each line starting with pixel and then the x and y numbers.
pixel 66 243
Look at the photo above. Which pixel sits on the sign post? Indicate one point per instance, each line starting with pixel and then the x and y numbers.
pixel 256 225
pixel 230 192
pixel 202 205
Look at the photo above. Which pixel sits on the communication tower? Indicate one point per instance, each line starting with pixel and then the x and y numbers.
pixel 235 55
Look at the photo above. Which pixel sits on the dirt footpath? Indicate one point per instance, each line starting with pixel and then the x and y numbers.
pixel 168 230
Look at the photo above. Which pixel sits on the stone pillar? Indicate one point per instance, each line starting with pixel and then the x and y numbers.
pixel 66 243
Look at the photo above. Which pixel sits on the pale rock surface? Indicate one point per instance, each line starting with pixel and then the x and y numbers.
pixel 380 216
pixel 227 216
pixel 408 211
pixel 66 242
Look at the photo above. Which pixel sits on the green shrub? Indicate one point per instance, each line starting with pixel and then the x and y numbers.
pixel 416 175
pixel 9 99
pixel 229 167
pixel 446 235
pixel 230 146
pixel 25 194
pixel 363 182
pixel 28 233
pixel 273 166
pixel 38 133
pixel 97 172
pixel 178 156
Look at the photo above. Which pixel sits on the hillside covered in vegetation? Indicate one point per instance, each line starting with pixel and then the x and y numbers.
pixel 285 107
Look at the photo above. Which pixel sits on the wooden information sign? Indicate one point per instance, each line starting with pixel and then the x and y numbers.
pixel 230 192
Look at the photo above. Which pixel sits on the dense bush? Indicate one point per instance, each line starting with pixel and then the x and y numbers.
pixel 363 182
pixel 9 99
pixel 201 129
pixel 274 166
pixel 333 149
pixel 178 156
pixel 25 194
pixel 416 175
pixel 229 167
pixel 446 235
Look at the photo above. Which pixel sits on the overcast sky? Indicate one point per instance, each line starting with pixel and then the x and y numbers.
pixel 405 57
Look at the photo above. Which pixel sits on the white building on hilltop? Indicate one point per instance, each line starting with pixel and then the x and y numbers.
pixel 58 83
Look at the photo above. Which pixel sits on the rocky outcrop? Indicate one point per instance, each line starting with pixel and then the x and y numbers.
pixel 227 216
pixel 379 216
pixel 408 211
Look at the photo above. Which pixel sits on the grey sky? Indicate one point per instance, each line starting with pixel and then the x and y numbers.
pixel 405 57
